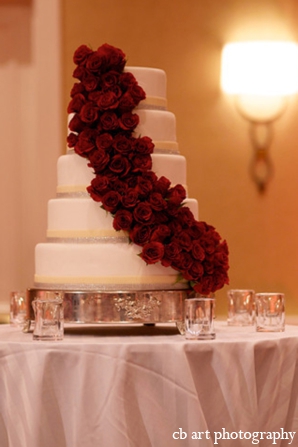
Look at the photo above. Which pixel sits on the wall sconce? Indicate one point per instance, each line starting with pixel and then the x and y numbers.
pixel 261 75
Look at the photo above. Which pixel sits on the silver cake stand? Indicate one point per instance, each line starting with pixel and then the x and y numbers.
pixel 148 307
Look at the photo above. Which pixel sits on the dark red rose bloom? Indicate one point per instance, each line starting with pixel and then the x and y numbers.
pixel 77 88
pixel 98 188
pixel 162 185
pixel 110 201
pixel 185 217
pixel 119 165
pixel 205 285
pixel 157 201
pixel 109 121
pixel 76 124
pixel 86 142
pixel 137 93
pixel 107 100
pixel 119 186
pixel 81 55
pixel 144 186
pixel 98 160
pixel 142 162
pixel 140 234
pixel 183 262
pixel 129 121
pixel 127 80
pixel 76 103
pixel 195 272
pixel 126 103
pixel 143 213
pixel 152 252
pixel 114 58
pixel 90 82
pixel 72 139
pixel 184 240
pixel 122 144
pixel 172 250
pixel 143 145
pixel 122 220
pixel 197 251
pixel 94 63
pixel 89 113
pixel 79 72
pixel 104 141
pixel 110 79
pixel 175 227
pixel 160 233
pixel 176 195
pixel 130 199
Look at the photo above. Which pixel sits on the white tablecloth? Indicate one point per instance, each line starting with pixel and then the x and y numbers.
pixel 99 388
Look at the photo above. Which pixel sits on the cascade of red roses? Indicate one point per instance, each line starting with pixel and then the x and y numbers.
pixel 146 207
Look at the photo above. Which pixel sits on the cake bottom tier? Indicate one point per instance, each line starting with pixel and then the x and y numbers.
pixel 102 265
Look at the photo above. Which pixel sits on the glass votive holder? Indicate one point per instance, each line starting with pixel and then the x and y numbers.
pixel 270 312
pixel 241 307
pixel 199 318
pixel 49 317
pixel 18 308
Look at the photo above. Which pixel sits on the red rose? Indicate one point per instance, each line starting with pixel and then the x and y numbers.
pixel 130 199
pixel 195 272
pixel 104 141
pixel 86 142
pixel 119 186
pixel 205 286
pixel 140 234
pixel 137 93
pixel 197 250
pixel 122 220
pixel 142 162
pixel 76 124
pixel 113 58
pixel 81 55
pixel 184 240
pixel 129 121
pixel 143 145
pixel 79 72
pixel 127 80
pixel 109 121
pixel 143 213
pixel 94 63
pixel 160 233
pixel 183 262
pixel 185 217
pixel 176 195
pixel 90 82
pixel 89 113
pixel 76 103
pixel 72 139
pixel 126 103
pixel 162 185
pixel 107 100
pixel 119 165
pixel 122 144
pixel 152 252
pixel 144 186
pixel 98 160
pixel 110 79
pixel 157 201
pixel 99 187
pixel 110 201
pixel 77 88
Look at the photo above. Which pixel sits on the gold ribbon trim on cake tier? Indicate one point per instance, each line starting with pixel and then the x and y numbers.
pixel 160 147
pixel 71 192
pixel 86 236
pixel 153 102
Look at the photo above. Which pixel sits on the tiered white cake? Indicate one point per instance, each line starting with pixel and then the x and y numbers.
pixel 83 251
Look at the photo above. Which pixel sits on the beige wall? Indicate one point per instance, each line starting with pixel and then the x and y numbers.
pixel 185 39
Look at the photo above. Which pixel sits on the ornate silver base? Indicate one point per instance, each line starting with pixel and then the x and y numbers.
pixel 130 307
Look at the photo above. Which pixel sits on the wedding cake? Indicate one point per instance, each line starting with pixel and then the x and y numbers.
pixel 121 219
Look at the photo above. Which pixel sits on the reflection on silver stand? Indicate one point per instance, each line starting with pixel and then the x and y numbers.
pixel 114 307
